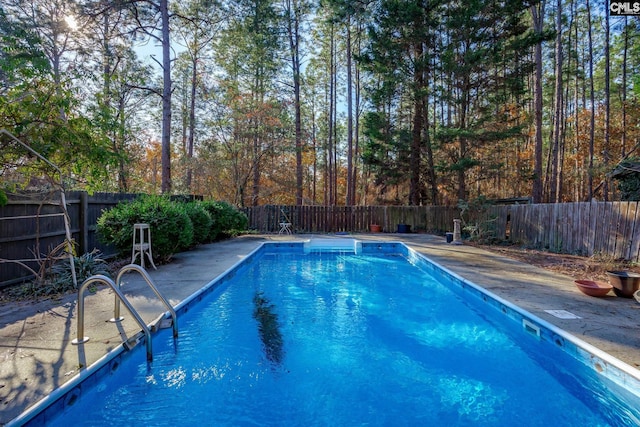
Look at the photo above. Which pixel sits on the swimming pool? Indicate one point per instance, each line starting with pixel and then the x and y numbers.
pixel 301 334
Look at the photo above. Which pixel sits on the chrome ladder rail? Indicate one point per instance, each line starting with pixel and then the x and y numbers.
pixel 147 278
pixel 119 296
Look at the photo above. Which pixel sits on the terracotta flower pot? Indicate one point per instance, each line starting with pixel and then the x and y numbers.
pixel 593 288
pixel 375 228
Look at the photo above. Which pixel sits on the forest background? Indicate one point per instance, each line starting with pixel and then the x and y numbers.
pixel 321 102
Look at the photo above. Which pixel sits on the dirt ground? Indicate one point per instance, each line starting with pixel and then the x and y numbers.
pixel 578 267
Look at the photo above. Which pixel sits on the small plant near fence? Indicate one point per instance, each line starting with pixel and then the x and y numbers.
pixel 58 279
pixel 477 219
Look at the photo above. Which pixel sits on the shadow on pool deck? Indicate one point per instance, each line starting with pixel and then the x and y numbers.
pixel 35 339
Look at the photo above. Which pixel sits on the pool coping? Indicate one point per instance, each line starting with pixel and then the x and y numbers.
pixel 599 361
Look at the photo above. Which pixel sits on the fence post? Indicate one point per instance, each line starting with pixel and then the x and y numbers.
pixel 84 222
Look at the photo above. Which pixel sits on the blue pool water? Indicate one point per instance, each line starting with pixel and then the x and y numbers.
pixel 333 339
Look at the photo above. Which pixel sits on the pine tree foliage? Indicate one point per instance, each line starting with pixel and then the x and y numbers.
pixel 332 102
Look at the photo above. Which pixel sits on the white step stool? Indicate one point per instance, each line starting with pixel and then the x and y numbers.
pixel 141 244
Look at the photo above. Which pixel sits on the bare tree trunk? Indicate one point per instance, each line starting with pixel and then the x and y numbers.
pixel 356 126
pixel 166 98
pixel 431 169
pixel 350 180
pixel 330 186
pixel 537 13
pixel 416 139
pixel 592 118
pixel 192 120
pixel 607 113
pixel 314 141
pixel 558 112
pixel 123 185
pixel 624 88
pixel 463 109
pixel 255 187
pixel 578 171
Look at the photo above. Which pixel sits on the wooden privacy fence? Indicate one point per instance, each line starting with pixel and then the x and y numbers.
pixel 581 228
pixel 32 224
pixel 606 228
pixel 337 219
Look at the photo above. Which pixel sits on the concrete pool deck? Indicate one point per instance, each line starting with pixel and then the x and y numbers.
pixel 37 355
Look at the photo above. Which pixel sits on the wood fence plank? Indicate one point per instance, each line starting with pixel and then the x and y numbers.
pixel 634 247
pixel 615 225
pixel 524 225
pixel 584 228
pixel 606 228
pixel 577 228
pixel 552 230
pixel 540 221
pixel 614 222
pixel 565 218
pixel 536 226
pixel 544 225
pixel 569 218
pixel 514 223
pixel 598 224
pixel 631 229
pixel 621 244
pixel 574 229
pixel 555 231
pixel 547 225
pixel 533 230
pixel 628 229
pixel 561 214
pixel 605 224
pixel 593 220
pixel 628 234
pixel 622 227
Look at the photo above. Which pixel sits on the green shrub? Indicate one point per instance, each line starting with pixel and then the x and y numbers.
pixel 227 220
pixel 201 220
pixel 171 228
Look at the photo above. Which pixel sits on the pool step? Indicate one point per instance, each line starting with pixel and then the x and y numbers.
pixel 333 245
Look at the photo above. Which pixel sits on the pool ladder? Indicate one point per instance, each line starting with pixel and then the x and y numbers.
pixel 119 297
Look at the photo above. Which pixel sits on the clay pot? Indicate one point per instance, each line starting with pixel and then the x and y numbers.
pixel 624 283
pixel 593 289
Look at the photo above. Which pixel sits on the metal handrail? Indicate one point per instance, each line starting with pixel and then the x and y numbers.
pixel 147 278
pixel 119 295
